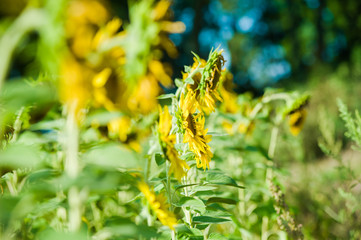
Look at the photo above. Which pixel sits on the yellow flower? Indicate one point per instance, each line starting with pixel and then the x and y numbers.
pixel 177 165
pixel 228 127
pixel 120 127
pixel 165 122
pixel 157 69
pixel 194 133
pixel 143 98
pixel 159 205
pixel 229 104
pixel 82 20
pixel 246 127
pixel 107 32
pixel 206 83
pixel 296 121
pixel 74 90
pixel 99 91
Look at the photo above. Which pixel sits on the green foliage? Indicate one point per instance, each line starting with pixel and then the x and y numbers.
pixel 352 124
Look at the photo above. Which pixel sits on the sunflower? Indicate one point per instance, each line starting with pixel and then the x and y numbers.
pixel 167 141
pixel 194 133
pixel 205 83
pixel 74 90
pixel 297 114
pixel 159 205
pixel 296 121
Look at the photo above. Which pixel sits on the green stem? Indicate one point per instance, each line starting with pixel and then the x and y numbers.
pixel 187 213
pixel 269 173
pixel 169 195
pixel 71 167
pixel 17 125
pixel 168 185
pixel 273 97
pixel 174 236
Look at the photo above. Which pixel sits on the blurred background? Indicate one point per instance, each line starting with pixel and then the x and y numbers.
pixel 276 43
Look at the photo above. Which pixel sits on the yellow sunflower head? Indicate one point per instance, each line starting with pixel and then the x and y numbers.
pixel 159 205
pixel 297 120
pixel 165 121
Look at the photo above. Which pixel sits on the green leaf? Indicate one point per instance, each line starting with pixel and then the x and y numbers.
pixel 204 188
pixel 102 117
pixel 191 203
pixel 216 236
pixel 178 82
pixel 7 206
pixel 189 80
pixel 125 228
pixel 19 93
pixel 187 69
pixel 166 96
pixel 111 155
pixel 207 219
pixel 159 159
pixel 56 235
pixel 221 179
pixel 221 200
pixel 41 175
pixel 19 155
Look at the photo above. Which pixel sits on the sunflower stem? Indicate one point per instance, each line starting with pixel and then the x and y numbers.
pixel 168 185
pixel 269 173
pixel 71 167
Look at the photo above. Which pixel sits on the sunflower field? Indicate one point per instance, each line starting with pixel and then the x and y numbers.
pixel 100 141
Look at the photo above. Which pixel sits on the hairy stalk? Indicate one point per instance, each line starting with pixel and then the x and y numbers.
pixel 17 125
pixel 284 218
pixel 187 213
pixel 178 141
pixel 269 173
pixel 168 188
pixel 71 168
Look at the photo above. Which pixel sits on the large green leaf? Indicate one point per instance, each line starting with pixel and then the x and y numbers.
pixel 221 200
pixel 19 155
pixel 111 155
pixel 191 203
pixel 220 178
pixel 216 236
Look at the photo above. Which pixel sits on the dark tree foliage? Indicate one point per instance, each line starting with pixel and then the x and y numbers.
pixel 270 42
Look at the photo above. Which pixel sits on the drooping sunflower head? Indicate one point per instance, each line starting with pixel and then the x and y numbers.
pixel 297 113
pixel 196 137
pixel 205 80
pixel 159 205
pixel 177 165
pixel 167 141
pixel 297 120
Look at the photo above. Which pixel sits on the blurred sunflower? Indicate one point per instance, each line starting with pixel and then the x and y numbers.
pixel 297 120
pixel 125 64
pixel 117 67
pixel 297 113
pixel 159 205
